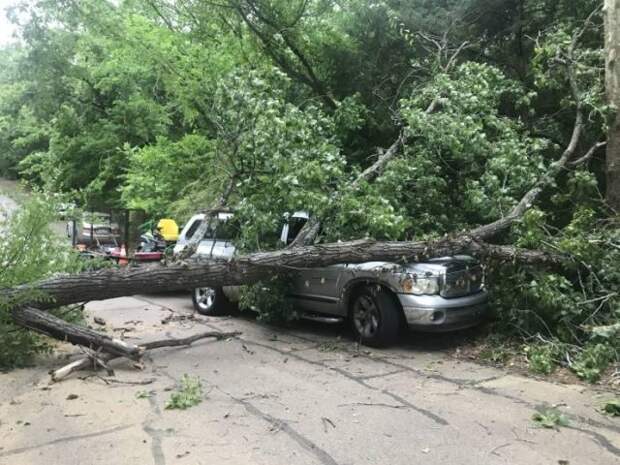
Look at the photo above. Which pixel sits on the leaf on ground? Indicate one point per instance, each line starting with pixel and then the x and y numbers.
pixel 188 395
pixel 143 394
pixel 550 418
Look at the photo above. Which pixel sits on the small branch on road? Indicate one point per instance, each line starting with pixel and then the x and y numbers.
pixel 371 404
pixel 87 362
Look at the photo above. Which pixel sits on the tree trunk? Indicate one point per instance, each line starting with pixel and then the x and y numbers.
pixel 612 75
pixel 246 269
pixel 52 326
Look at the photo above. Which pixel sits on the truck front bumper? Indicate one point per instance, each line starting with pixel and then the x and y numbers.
pixel 435 313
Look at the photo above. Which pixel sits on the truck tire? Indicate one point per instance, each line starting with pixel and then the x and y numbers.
pixel 376 316
pixel 211 301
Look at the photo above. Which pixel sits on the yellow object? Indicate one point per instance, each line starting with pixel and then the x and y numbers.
pixel 169 229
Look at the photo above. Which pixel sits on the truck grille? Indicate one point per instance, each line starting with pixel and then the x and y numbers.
pixel 462 279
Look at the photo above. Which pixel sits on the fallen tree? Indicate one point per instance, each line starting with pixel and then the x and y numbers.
pixel 109 283
pixel 246 269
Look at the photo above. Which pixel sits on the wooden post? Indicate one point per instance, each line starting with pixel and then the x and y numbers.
pixel 92 227
pixel 135 220
pixel 74 230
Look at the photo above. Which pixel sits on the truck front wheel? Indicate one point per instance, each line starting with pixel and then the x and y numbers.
pixel 375 316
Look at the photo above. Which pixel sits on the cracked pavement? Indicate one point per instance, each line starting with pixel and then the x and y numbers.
pixel 297 395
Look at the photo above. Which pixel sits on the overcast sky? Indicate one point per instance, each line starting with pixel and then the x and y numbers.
pixel 6 28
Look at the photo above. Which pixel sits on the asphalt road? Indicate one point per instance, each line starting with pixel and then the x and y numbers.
pixel 301 395
pixel 9 205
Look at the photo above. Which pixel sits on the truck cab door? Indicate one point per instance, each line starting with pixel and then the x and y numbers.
pixel 318 289
pixel 314 289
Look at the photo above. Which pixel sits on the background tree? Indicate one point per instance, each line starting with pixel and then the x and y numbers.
pixel 612 51
pixel 385 119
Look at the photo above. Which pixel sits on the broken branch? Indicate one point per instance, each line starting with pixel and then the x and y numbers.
pixel 87 362
pixel 48 324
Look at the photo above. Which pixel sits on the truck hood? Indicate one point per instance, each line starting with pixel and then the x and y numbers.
pixel 435 266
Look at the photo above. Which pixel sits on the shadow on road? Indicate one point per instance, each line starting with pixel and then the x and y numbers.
pixel 414 341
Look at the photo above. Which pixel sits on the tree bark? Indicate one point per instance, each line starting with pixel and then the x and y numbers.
pixel 612 80
pixel 246 269
pixel 44 322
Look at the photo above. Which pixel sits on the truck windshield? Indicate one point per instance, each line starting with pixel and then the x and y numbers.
pixel 295 225
pixel 218 230
pixel 221 230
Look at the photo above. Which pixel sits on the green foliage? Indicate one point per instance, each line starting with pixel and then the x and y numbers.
pixel 29 251
pixel 143 394
pixel 577 313
pixel 550 418
pixel 542 358
pixel 283 158
pixel 268 298
pixel 188 394
pixel 592 362
pixel 612 407
pixel 158 174
pixel 553 50
pixel 467 154
pixel 120 104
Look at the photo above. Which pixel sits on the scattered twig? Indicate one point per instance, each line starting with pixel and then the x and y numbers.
pixel 371 404
pixel 119 381
pixel 326 421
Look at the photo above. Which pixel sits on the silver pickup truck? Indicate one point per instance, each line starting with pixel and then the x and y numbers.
pixel 378 298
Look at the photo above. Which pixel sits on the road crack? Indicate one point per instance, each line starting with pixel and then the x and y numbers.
pixel 281 425
pixel 359 380
pixel 66 439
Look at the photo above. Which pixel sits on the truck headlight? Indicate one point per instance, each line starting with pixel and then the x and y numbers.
pixel 421 285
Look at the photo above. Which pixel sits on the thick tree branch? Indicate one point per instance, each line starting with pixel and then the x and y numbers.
pixel 375 170
pixel 48 324
pixel 306 73
pixel 489 230
pixel 589 154
pixel 246 269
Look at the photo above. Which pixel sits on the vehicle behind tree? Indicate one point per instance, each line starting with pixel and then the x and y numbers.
pixel 93 228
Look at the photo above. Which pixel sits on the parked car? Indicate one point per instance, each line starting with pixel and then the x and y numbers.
pixel 93 228
pixel 378 298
